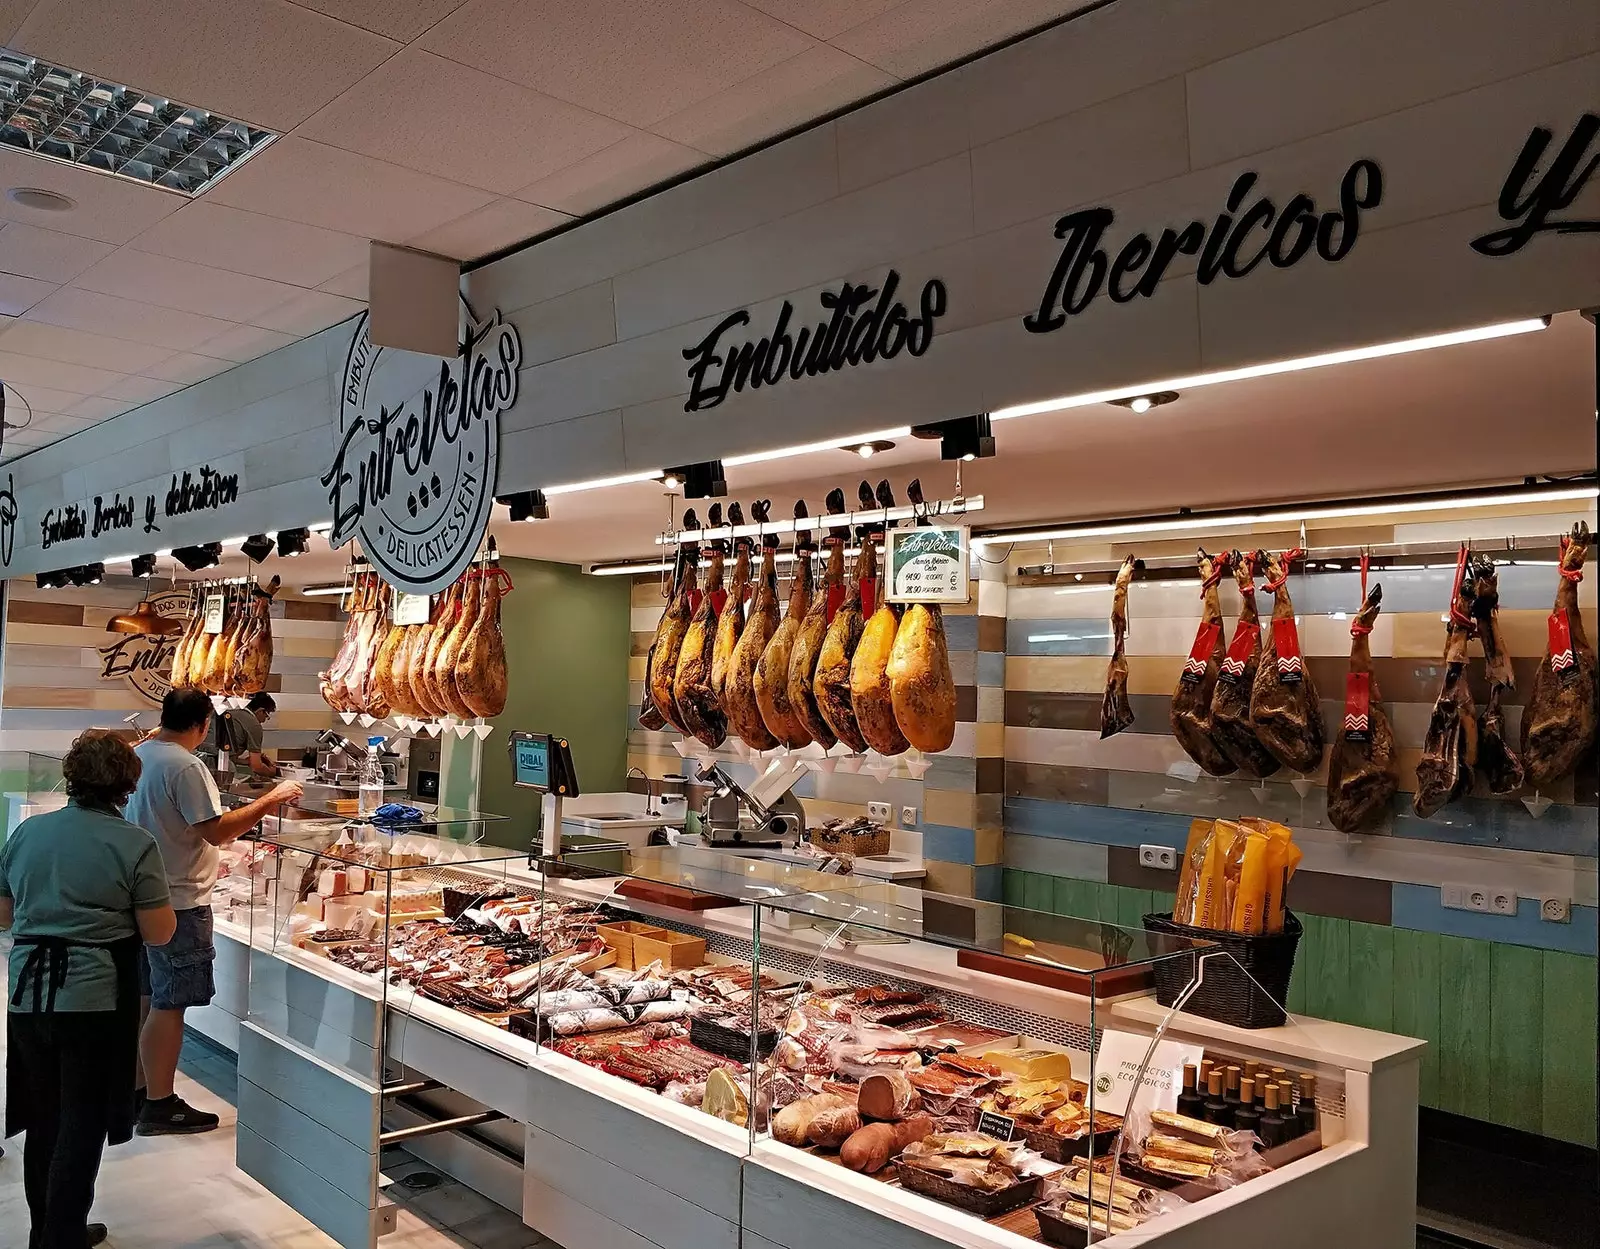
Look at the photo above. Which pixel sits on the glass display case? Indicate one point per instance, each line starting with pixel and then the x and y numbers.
pixel 31 783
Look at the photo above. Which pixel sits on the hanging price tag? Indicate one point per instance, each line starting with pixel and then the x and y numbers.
pixel 928 564
pixel 214 610
pixel 1286 641
pixel 1357 706
pixel 410 609
pixel 1205 641
pixel 1244 641
pixel 1563 662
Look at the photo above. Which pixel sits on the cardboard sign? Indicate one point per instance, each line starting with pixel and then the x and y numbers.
pixel 927 564
pixel 1001 1127
pixel 214 609
pixel 1117 1061
pixel 410 609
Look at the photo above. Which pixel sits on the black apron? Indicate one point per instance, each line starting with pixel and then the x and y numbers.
pixel 44 975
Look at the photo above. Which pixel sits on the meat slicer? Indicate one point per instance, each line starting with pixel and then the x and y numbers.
pixel 766 816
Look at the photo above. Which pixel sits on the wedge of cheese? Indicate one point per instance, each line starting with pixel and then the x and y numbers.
pixel 1027 1064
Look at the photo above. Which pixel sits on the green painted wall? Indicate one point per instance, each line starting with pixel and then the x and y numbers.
pixel 1510 1030
pixel 567 646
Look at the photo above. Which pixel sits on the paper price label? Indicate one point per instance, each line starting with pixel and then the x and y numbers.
pixel 928 564
pixel 214 611
pixel 1001 1127
pixel 410 609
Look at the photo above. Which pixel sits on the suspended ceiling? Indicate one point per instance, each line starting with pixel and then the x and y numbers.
pixel 460 128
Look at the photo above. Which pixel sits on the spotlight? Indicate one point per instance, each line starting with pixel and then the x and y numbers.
pixel 866 450
pixel 94 574
pixel 292 542
pixel 194 558
pixel 704 480
pixel 961 438
pixel 257 547
pixel 1143 403
pixel 526 505
pixel 51 580
pixel 144 565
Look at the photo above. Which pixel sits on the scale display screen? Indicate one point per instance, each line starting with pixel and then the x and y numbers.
pixel 532 761
pixel 542 761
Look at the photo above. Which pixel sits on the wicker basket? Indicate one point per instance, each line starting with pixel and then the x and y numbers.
pixel 1246 990
pixel 1060 1148
pixel 734 1043
pixel 861 842
pixel 984 1205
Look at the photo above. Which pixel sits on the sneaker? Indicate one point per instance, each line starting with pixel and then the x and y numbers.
pixel 97 1234
pixel 173 1116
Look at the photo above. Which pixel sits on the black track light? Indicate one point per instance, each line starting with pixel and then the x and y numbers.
pixel 194 558
pixel 94 574
pixel 53 580
pixel 144 565
pixel 257 547
pixel 292 542
pixel 704 480
pixel 961 438
pixel 526 505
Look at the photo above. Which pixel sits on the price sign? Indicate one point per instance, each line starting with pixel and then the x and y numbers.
pixel 928 564
pixel 1001 1127
pixel 410 609
pixel 214 608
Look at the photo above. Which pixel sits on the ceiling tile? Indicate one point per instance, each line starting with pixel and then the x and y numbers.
pixel 300 180
pixel 919 35
pixel 306 312
pixel 47 254
pixel 42 400
pixel 183 285
pixel 804 87
pixel 99 408
pixel 822 18
pixel 426 113
pixel 54 342
pixel 187 368
pixel 635 60
pixel 243 342
pixel 264 61
pixel 488 229
pixel 246 242
pixel 112 210
pixel 18 294
pixel 623 169
pixel 399 19
pixel 125 318
pixel 352 283
pixel 140 389
pixel 79 379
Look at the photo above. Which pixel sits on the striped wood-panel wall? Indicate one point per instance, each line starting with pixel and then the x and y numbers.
pixel 52 686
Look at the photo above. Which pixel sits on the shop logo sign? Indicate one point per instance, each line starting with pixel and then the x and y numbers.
pixel 144 660
pixel 8 520
pixel 413 474
pixel 1528 204
pixel 1231 246
pixel 861 323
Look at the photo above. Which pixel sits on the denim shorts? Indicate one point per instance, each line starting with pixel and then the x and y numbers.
pixel 179 974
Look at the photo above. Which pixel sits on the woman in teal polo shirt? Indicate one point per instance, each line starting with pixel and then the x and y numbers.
pixel 80 888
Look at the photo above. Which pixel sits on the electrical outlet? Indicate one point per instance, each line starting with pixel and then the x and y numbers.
pixel 1464 897
pixel 878 811
pixel 908 817
pixel 1158 857
pixel 1503 902
pixel 1555 910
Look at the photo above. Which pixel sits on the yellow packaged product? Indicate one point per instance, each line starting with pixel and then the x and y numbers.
pixel 1211 904
pixel 1283 856
pixel 1194 853
pixel 1250 897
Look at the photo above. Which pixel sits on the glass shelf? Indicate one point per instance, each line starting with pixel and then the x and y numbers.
pixel 437 843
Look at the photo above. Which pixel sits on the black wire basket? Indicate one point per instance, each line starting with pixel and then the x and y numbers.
pixel 1246 990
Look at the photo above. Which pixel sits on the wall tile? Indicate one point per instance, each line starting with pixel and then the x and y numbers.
pixel 987 882
pixel 948 844
pixel 1421 907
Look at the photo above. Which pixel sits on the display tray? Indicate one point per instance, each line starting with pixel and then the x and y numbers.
pixel 1106 982
pixel 679 899
pixel 984 1205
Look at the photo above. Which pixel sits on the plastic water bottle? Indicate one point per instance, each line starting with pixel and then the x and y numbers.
pixel 369 782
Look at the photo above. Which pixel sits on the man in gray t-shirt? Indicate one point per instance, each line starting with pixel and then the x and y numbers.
pixel 177 803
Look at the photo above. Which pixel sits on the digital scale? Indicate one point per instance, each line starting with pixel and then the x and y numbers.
pixel 543 762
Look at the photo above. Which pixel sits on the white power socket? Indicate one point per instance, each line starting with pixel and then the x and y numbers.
pixel 1503 902
pixel 1483 898
pixel 908 817
pixel 878 811
pixel 1158 857
pixel 1555 910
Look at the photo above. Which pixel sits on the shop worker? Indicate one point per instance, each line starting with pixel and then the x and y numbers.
pixel 177 802
pixel 244 730
pixel 83 892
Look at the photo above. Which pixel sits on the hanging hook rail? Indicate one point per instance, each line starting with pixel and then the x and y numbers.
pixel 838 520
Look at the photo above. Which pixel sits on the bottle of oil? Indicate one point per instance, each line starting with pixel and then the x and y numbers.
pixel 1190 1101
pixel 1247 1117
pixel 1306 1111
pixel 1216 1109
pixel 1230 1084
pixel 1271 1129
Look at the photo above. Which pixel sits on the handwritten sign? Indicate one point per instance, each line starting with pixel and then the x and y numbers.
pixel 410 609
pixel 214 612
pixel 1117 1061
pixel 928 564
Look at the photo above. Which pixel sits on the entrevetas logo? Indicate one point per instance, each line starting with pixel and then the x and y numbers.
pixel 144 660
pixel 413 476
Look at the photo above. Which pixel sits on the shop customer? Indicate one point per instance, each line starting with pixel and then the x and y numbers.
pixel 177 802
pixel 82 891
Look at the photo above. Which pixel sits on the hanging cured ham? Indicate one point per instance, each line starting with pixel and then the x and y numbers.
pixel 739 692
pixel 432 674
pixel 331 682
pixel 179 675
pixel 664 651
pixel 1283 700
pixel 250 662
pixel 1558 724
pixel 1116 712
pixel 1231 726
pixel 920 682
pixel 1450 746
pixel 772 673
pixel 813 630
pixel 482 682
pixel 698 708
pixel 1499 765
pixel 361 683
pixel 730 614
pixel 1361 776
pixel 447 667
pixel 1197 683
pixel 831 684
pixel 871 694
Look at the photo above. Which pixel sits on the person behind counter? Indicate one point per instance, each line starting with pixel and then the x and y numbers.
pixel 83 891
pixel 244 729
pixel 177 802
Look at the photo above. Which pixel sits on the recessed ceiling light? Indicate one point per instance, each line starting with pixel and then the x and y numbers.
pixel 1143 403
pixel 82 120
pixel 866 450
pixel 41 199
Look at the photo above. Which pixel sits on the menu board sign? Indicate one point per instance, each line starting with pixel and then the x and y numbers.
pixel 928 564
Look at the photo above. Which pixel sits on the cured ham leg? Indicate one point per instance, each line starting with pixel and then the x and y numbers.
pixel 1197 683
pixel 699 710
pixel 433 674
pixel 1558 724
pixel 739 693
pixel 1231 726
pixel 772 673
pixel 871 692
pixel 674 623
pixel 361 684
pixel 921 685
pixel 1116 712
pixel 730 613
pixel 482 681
pixel 813 630
pixel 1450 747
pixel 252 658
pixel 1361 777
pixel 1499 764
pixel 179 675
pixel 1283 700
pixel 332 682
pixel 449 661
pixel 831 685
